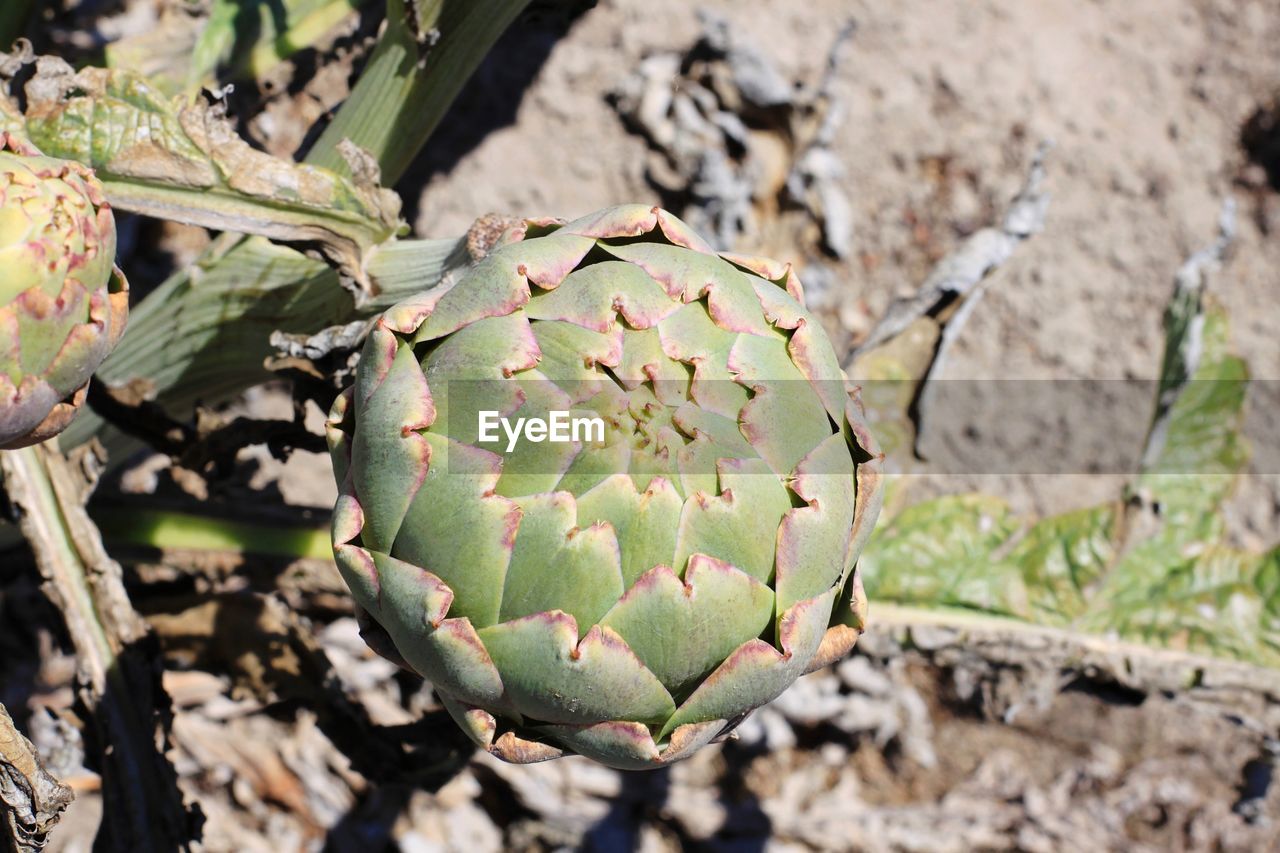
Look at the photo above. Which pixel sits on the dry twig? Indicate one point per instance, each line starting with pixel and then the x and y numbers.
pixel 962 273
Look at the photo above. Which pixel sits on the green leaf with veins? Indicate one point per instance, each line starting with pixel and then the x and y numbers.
pixel 185 162
pixel 1150 568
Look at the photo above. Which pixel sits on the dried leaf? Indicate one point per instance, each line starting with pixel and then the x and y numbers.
pixel 245 38
pixel 161 157
pixel 31 800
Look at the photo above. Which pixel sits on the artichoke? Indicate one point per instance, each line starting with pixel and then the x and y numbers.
pixel 628 593
pixel 63 304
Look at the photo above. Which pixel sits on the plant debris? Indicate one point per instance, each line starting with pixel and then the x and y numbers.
pixel 734 142
pixel 31 799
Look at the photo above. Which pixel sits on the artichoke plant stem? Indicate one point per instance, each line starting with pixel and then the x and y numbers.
pixel 182 531
pixel 48 531
pixel 143 809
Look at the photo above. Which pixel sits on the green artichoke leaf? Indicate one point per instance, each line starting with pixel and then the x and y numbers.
pixel 785 418
pixel 645 522
pixel 739 522
pixel 556 565
pixel 938 552
pixel 449 501
pixel 1150 568
pixel 165 158
pixel 702 619
pixel 552 675
pixel 813 541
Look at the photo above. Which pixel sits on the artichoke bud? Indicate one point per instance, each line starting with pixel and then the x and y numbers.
pixel 606 492
pixel 63 303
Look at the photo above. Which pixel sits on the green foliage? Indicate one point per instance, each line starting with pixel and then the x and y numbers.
pixel 231 40
pixel 429 50
pixel 160 157
pixel 248 287
pixel 1149 567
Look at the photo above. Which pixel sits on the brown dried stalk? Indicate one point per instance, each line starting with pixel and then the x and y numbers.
pixel 119 682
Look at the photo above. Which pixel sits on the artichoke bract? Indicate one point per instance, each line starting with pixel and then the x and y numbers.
pixel 63 304
pixel 630 591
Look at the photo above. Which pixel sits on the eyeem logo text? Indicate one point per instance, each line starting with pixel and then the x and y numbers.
pixel 558 427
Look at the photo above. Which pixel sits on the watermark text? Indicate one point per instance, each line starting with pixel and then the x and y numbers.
pixel 558 427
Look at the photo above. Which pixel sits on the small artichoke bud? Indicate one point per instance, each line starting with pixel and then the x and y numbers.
pixel 63 303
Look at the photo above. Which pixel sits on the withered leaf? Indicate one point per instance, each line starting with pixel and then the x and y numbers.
pixel 184 161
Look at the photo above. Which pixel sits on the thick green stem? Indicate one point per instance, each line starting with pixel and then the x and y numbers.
pixel 180 531
pixel 412 79
pixel 204 334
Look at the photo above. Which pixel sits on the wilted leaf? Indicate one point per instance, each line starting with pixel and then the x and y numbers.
pixel 1176 584
pixel 939 551
pixel 246 38
pixel 1062 558
pixel 185 162
pixel 1214 599
pixel 31 799
pixel 1149 568
pixel 1202 448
